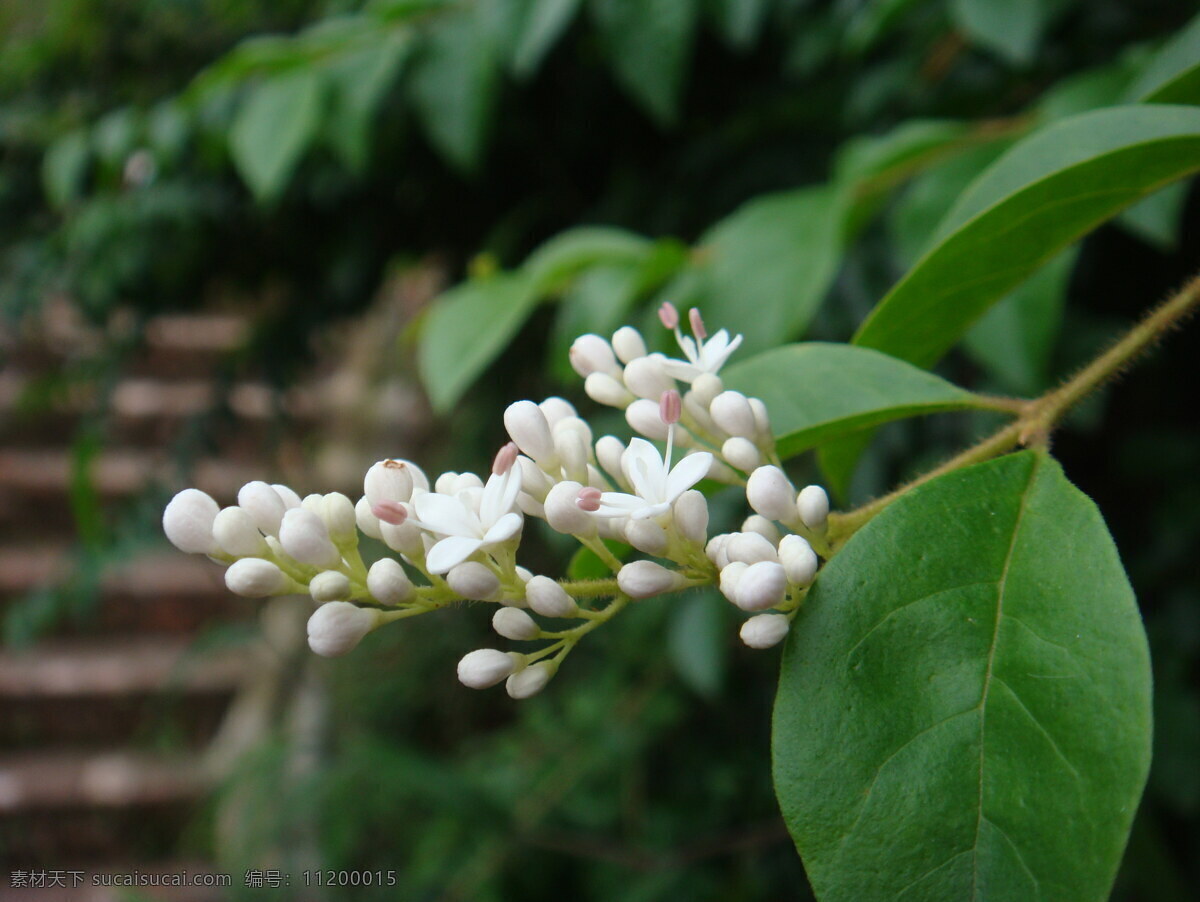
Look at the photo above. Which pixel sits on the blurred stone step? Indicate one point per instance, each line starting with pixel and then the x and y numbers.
pixel 155 592
pixel 117 881
pixel 62 804
pixel 99 691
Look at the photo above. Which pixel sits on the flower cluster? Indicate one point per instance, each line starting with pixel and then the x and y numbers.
pixel 457 538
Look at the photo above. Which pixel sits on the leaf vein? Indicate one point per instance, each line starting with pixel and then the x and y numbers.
pixel 908 604
pixel 1037 723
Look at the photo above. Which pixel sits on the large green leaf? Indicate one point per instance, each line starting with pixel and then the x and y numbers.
pixel 273 128
pixel 964 703
pixel 648 43
pixel 563 256
pixel 816 391
pixel 361 77
pixel 1173 74
pixel 766 268
pixel 452 83
pixel 1042 195
pixel 465 330
pixel 543 24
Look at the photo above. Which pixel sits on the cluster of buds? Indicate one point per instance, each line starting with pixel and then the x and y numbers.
pixel 457 538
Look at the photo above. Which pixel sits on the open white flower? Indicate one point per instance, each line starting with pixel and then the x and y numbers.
pixel 655 482
pixel 463 530
pixel 703 356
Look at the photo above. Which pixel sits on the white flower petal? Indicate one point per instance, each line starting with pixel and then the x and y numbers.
pixel 447 515
pixel 619 504
pixel 645 469
pixel 450 552
pixel 682 370
pixel 503 529
pixel 650 510
pixel 689 348
pixel 687 473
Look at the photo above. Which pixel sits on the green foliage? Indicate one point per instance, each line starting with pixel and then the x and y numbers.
pixel 273 128
pixel 794 381
pixel 979 648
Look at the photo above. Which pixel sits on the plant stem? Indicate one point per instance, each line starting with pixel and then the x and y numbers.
pixel 1037 418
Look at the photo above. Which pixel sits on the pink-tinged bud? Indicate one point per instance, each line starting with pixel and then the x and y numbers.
pixel 588 499
pixel 697 324
pixel 392 512
pixel 670 407
pixel 764 630
pixel 668 314
pixel 505 458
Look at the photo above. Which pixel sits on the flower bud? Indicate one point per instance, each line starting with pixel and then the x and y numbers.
pixel 524 574
pixel 761 525
pixel 388 480
pixel 530 506
pixel 764 630
pixel 813 506
pixel 188 522
pixel 771 494
pixel 699 414
pixel 563 513
pixel 338 513
pixel 731 411
pixel 486 667
pixel 706 387
pixel 513 623
pixel 528 427
pixel 236 533
pixel 741 453
pixel 716 551
pixel 572 452
pixel 264 505
pixel 762 419
pixel 534 481
pixel 691 516
pixel 557 409
pixel 731 575
pixel 642 579
pixel 290 498
pixel 628 344
pixel 387 582
pixel 607 390
pixel 337 627
pixel 530 681
pixel 646 536
pixel 719 471
pixel 592 354
pixel 473 580
pixel 548 598
pixel 463 483
pixel 798 559
pixel 365 519
pixel 646 378
pixel 762 585
pixel 643 416
pixel 750 548
pixel 404 538
pixel 609 451
pixel 329 585
pixel 313 502
pixel 305 538
pixel 255 578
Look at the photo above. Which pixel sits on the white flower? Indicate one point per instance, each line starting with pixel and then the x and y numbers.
pixel 655 483
pixel 465 531
pixel 702 356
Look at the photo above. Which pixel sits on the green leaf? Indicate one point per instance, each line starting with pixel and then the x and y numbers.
pixel 597 302
pixel 697 642
pixel 766 268
pixel 65 167
pixel 1011 29
pixel 272 129
pixel 871 388
pixel 1173 74
pixel 544 24
pixel 466 329
pixel 1014 339
pixel 563 256
pixel 964 701
pixel 452 85
pixel 1157 218
pixel 1042 195
pixel 648 44
pixel 361 78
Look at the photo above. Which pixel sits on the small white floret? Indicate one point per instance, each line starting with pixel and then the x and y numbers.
pixel 528 427
pixel 563 512
pixel 642 579
pixel 646 536
pixel 764 630
pixel 607 390
pixel 337 627
pixel 253 577
pixel 643 417
pixel 304 537
pixel 388 480
pixel 732 412
pixel 691 516
pixel 486 667
pixel 338 513
pixel 473 580
pixel 771 494
pixel 592 354
pixel 548 598
pixel 750 548
pixel 264 505
pixel 798 559
pixel 813 506
pixel 762 585
pixel 188 522
pixel 387 582
pixel 628 344
pixel 513 623
pixel 741 453
pixel 530 681
pixel 329 585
